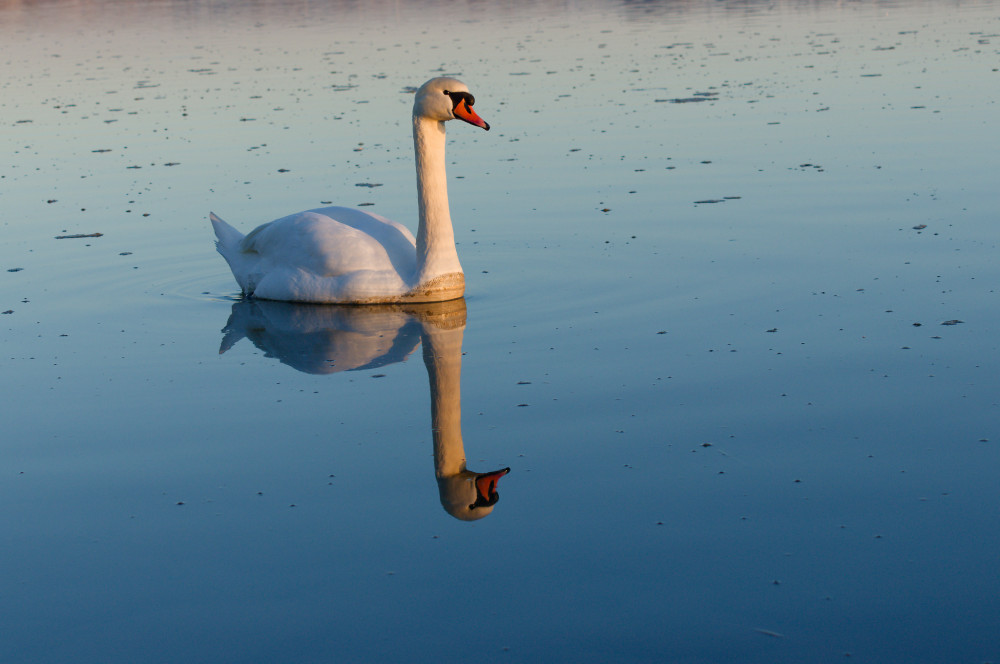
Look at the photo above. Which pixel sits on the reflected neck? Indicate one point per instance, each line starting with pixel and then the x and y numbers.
pixel 436 253
pixel 443 357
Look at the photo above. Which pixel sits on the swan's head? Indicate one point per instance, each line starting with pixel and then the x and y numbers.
pixel 444 99
pixel 469 496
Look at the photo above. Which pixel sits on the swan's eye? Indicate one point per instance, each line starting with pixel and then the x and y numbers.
pixel 458 97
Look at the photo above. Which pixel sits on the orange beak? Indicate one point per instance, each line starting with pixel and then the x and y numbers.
pixel 486 487
pixel 464 112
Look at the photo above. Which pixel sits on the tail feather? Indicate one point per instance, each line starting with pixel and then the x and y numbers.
pixel 228 237
pixel 229 244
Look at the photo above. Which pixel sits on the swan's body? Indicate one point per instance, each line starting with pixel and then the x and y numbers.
pixel 344 255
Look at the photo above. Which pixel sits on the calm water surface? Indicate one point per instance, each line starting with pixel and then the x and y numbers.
pixel 731 321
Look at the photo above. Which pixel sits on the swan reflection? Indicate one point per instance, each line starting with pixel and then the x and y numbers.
pixel 323 339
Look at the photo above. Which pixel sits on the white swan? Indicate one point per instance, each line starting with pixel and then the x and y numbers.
pixel 343 255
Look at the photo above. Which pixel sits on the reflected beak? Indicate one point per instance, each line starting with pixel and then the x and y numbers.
pixel 486 487
pixel 463 111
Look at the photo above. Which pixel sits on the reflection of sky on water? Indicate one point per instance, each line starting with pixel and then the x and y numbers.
pixel 724 420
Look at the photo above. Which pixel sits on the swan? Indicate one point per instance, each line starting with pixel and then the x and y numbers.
pixel 349 256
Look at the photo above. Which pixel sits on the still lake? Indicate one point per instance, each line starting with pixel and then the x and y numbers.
pixel 731 319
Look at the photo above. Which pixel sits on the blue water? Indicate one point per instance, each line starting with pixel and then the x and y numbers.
pixel 740 354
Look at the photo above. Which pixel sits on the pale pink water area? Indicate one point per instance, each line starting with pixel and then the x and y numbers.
pixel 731 322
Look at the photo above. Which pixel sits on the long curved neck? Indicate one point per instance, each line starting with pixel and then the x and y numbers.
pixel 436 254
pixel 442 350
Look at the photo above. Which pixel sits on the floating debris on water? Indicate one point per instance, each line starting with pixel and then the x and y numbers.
pixel 697 97
pixel 76 236
pixel 767 632
pixel 709 201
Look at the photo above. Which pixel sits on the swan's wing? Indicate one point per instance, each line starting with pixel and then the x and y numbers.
pixel 331 242
pixel 392 235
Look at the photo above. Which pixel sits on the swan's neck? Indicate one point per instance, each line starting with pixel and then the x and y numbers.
pixel 443 357
pixel 436 254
